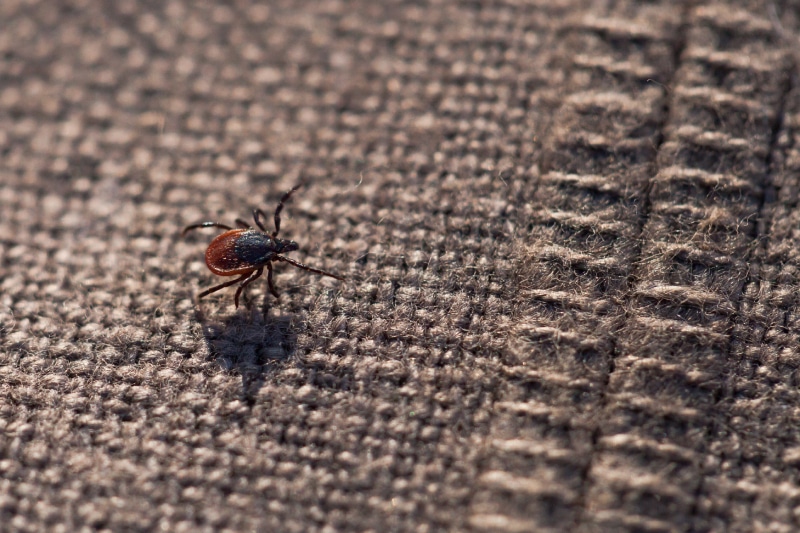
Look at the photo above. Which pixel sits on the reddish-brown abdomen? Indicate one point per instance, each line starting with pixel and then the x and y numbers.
pixel 221 256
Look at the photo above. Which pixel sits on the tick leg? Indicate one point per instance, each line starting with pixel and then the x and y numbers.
pixel 242 224
pixel 251 278
pixel 258 215
pixel 222 286
pixel 306 267
pixel 269 281
pixel 204 225
pixel 280 208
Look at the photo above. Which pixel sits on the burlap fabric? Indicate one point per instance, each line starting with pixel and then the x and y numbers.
pixel 570 236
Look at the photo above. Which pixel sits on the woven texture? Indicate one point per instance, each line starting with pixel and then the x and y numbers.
pixel 569 231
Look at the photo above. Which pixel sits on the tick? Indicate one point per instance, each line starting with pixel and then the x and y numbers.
pixel 245 251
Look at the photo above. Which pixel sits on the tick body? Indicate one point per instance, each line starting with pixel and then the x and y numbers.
pixel 247 251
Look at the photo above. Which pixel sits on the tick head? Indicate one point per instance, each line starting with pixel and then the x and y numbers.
pixel 285 245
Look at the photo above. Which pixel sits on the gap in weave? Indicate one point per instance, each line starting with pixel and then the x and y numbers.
pixel 581 518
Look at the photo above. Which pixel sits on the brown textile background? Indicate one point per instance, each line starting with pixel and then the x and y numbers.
pixel 570 231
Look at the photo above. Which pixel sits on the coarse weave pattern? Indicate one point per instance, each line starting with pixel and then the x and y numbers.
pixel 569 231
